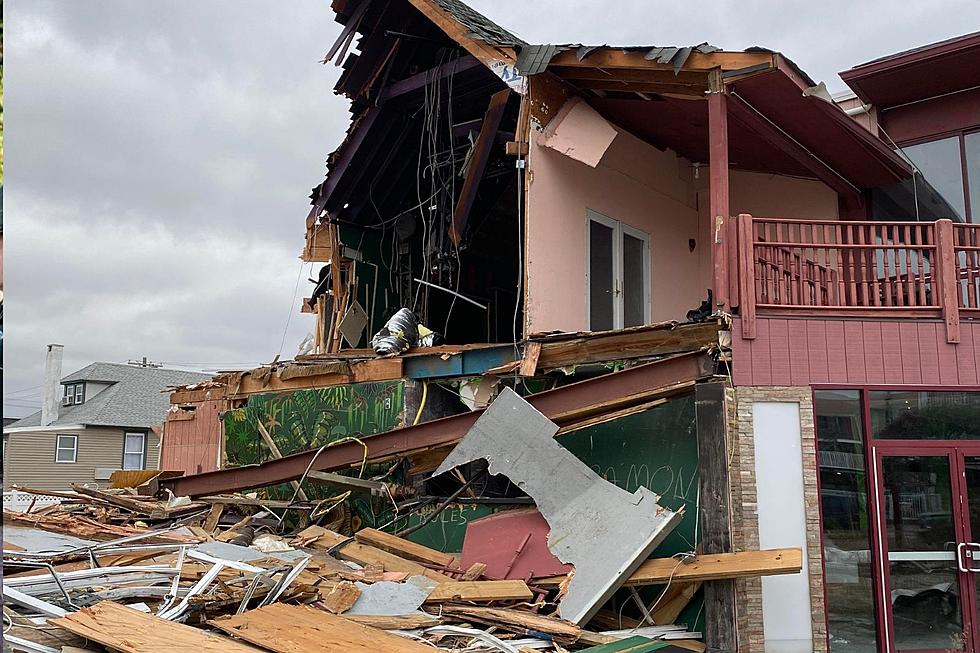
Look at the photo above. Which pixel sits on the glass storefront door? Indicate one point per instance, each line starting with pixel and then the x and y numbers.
pixel 924 498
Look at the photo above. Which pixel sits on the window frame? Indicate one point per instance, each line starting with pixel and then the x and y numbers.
pixel 73 448
pixel 125 452
pixel 972 214
pixel 619 229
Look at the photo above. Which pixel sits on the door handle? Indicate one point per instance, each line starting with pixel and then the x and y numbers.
pixel 966 550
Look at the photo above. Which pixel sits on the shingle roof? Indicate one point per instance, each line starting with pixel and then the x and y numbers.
pixel 481 28
pixel 135 397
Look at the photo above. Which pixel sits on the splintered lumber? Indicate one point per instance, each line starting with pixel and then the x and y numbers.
pixel 340 597
pixel 404 548
pixel 395 622
pixel 481 591
pixel 655 340
pixel 84 527
pixel 131 631
pixel 520 621
pixel 363 554
pixel 299 628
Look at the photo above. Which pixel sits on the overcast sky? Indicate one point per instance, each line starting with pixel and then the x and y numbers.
pixel 159 154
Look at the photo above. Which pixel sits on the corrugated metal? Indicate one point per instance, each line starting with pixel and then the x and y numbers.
pixel 30 457
pixel 867 352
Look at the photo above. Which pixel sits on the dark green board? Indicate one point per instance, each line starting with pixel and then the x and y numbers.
pixel 308 419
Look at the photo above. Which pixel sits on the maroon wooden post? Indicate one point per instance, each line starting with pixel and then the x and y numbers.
pixel 947 277
pixel 718 189
pixel 746 274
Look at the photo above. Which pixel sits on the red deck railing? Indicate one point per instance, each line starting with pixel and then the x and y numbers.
pixel 858 269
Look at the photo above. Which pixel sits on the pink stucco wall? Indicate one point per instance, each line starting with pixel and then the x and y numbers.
pixel 653 191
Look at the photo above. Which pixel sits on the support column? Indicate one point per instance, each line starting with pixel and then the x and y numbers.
pixel 716 514
pixel 718 188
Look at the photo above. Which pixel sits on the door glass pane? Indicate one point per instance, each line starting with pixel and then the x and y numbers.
pixel 634 281
pixel 911 415
pixel 600 276
pixel 844 505
pixel 940 182
pixel 924 584
pixel 973 502
pixel 973 173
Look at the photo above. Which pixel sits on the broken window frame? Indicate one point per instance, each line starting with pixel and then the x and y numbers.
pixel 620 230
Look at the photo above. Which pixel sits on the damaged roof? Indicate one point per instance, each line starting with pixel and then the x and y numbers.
pixel 784 125
pixel 481 28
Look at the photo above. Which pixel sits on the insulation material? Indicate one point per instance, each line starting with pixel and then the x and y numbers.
pixel 579 132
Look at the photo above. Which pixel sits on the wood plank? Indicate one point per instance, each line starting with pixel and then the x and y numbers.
pixel 405 548
pixel 520 621
pixel 481 591
pixel 299 628
pixel 720 566
pixel 715 566
pixel 395 622
pixel 477 164
pixel 131 631
pixel 367 555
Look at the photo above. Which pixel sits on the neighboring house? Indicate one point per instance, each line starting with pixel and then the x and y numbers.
pixel 104 417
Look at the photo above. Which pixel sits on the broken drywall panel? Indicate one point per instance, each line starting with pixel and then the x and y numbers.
pixel 579 132
pixel 601 529
pixel 392 599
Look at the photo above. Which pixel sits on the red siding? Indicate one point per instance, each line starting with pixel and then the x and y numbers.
pixel 789 351
pixel 193 445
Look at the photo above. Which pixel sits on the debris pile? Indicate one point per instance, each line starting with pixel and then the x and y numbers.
pixel 131 571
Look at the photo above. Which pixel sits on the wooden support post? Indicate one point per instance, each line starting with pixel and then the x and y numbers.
pixel 478 163
pixel 948 276
pixel 718 185
pixel 715 518
pixel 746 274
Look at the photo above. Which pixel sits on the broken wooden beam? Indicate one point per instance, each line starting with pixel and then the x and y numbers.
pixel 481 591
pixel 478 164
pixel 349 549
pixel 707 567
pixel 610 392
pixel 405 548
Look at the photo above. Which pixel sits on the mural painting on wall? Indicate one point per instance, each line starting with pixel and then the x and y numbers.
pixel 309 419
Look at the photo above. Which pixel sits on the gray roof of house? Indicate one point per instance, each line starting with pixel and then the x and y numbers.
pixel 135 397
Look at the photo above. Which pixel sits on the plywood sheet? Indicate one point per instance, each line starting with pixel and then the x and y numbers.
pixel 131 631
pixel 301 629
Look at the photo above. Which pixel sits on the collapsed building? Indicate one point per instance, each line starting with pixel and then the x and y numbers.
pixel 680 257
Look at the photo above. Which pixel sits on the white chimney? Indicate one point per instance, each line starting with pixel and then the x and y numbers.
pixel 51 397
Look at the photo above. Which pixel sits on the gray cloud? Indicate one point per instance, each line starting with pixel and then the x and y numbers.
pixel 159 155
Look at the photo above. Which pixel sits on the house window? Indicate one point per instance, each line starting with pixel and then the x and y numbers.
pixel 946 183
pixel 618 274
pixel 74 394
pixel 134 451
pixel 66 449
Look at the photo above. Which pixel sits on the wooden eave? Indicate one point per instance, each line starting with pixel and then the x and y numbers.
pixel 610 69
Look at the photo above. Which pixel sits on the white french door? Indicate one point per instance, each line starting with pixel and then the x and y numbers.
pixel 617 274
